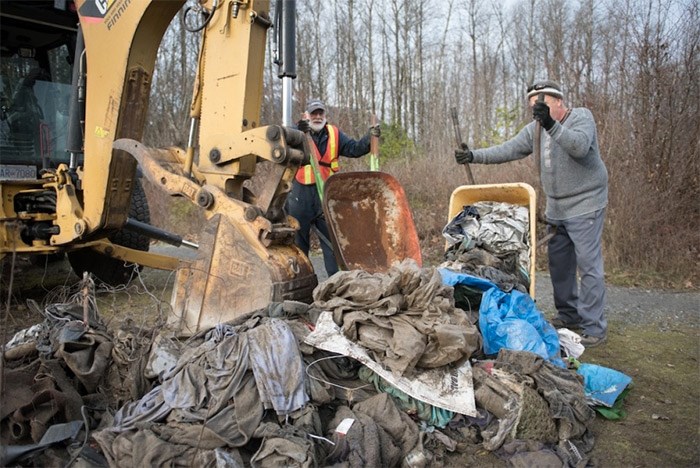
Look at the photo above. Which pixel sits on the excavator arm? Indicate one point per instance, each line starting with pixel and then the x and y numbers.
pixel 246 256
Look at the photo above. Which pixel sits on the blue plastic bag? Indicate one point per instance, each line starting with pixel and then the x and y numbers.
pixel 602 385
pixel 509 320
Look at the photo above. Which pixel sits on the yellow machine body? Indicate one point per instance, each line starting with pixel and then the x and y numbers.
pixel 246 256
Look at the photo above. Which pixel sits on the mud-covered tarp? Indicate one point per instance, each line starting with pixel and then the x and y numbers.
pixel 491 240
pixel 448 387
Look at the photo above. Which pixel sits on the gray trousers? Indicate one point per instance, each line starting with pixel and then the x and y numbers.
pixel 577 247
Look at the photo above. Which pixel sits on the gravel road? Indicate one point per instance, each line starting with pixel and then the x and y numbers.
pixel 635 305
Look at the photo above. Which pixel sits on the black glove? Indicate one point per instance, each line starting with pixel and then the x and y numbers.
pixel 540 112
pixel 303 126
pixel 375 131
pixel 464 155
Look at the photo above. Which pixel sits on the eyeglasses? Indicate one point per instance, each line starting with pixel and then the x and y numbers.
pixel 553 87
pixel 537 87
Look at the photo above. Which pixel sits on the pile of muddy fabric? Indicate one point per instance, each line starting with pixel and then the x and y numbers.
pixel 265 390
pixel 491 240
pixel 60 377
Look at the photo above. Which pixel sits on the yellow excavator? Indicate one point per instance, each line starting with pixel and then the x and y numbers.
pixel 76 78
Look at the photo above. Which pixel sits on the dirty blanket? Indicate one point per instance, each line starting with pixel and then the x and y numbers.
pixel 405 317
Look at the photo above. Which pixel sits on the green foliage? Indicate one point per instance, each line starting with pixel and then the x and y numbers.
pixel 505 119
pixel 395 143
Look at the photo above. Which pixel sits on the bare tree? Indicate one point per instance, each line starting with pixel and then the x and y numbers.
pixel 169 106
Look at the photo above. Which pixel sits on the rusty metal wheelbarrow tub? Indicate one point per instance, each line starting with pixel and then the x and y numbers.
pixel 370 221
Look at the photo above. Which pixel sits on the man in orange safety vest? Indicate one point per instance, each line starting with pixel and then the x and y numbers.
pixel 303 201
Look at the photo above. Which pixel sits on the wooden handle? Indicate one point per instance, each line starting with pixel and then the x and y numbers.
pixel 373 140
pixel 458 138
pixel 536 144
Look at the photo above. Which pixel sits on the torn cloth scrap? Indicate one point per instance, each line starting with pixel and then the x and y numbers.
pixel 210 375
pixel 406 317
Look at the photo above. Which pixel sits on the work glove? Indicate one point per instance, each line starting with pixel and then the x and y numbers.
pixel 540 112
pixel 375 131
pixel 303 126
pixel 464 155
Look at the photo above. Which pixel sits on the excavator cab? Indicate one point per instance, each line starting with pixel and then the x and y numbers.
pixel 38 60
pixel 36 48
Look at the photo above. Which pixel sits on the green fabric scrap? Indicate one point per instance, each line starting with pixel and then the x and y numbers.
pixel 616 412
pixel 432 415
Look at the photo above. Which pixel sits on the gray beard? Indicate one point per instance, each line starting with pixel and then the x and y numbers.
pixel 317 127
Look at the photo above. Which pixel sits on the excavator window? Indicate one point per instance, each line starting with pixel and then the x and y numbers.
pixel 34 113
pixel 35 89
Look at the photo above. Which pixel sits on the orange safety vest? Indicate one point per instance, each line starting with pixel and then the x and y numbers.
pixel 327 164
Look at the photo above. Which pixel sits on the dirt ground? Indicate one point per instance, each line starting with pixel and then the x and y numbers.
pixel 653 338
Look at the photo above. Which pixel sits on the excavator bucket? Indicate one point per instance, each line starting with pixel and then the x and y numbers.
pixel 230 278
pixel 370 221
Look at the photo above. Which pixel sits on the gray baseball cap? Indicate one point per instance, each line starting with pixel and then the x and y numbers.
pixel 313 105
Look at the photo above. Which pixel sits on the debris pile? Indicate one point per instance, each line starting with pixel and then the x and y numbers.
pixel 490 240
pixel 399 368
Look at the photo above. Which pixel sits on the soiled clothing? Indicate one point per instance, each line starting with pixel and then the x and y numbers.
pixel 564 391
pixel 573 175
pixel 406 317
pixel 222 369
pixel 277 366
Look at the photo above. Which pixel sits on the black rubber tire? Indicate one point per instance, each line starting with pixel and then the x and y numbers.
pixel 111 270
pixel 44 259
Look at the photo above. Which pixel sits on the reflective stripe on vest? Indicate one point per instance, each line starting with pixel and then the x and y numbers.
pixel 327 164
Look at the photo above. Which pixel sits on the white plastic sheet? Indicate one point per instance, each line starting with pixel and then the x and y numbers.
pixel 450 388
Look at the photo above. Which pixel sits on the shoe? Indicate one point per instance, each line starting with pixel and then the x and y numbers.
pixel 592 341
pixel 559 323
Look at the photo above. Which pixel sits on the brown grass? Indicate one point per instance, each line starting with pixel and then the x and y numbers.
pixel 174 214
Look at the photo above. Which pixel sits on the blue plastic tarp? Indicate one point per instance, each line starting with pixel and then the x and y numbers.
pixel 602 385
pixel 509 320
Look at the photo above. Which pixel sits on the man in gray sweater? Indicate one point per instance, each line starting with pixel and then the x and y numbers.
pixel 575 182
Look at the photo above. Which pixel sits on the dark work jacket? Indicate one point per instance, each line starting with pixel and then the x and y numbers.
pixel 347 146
